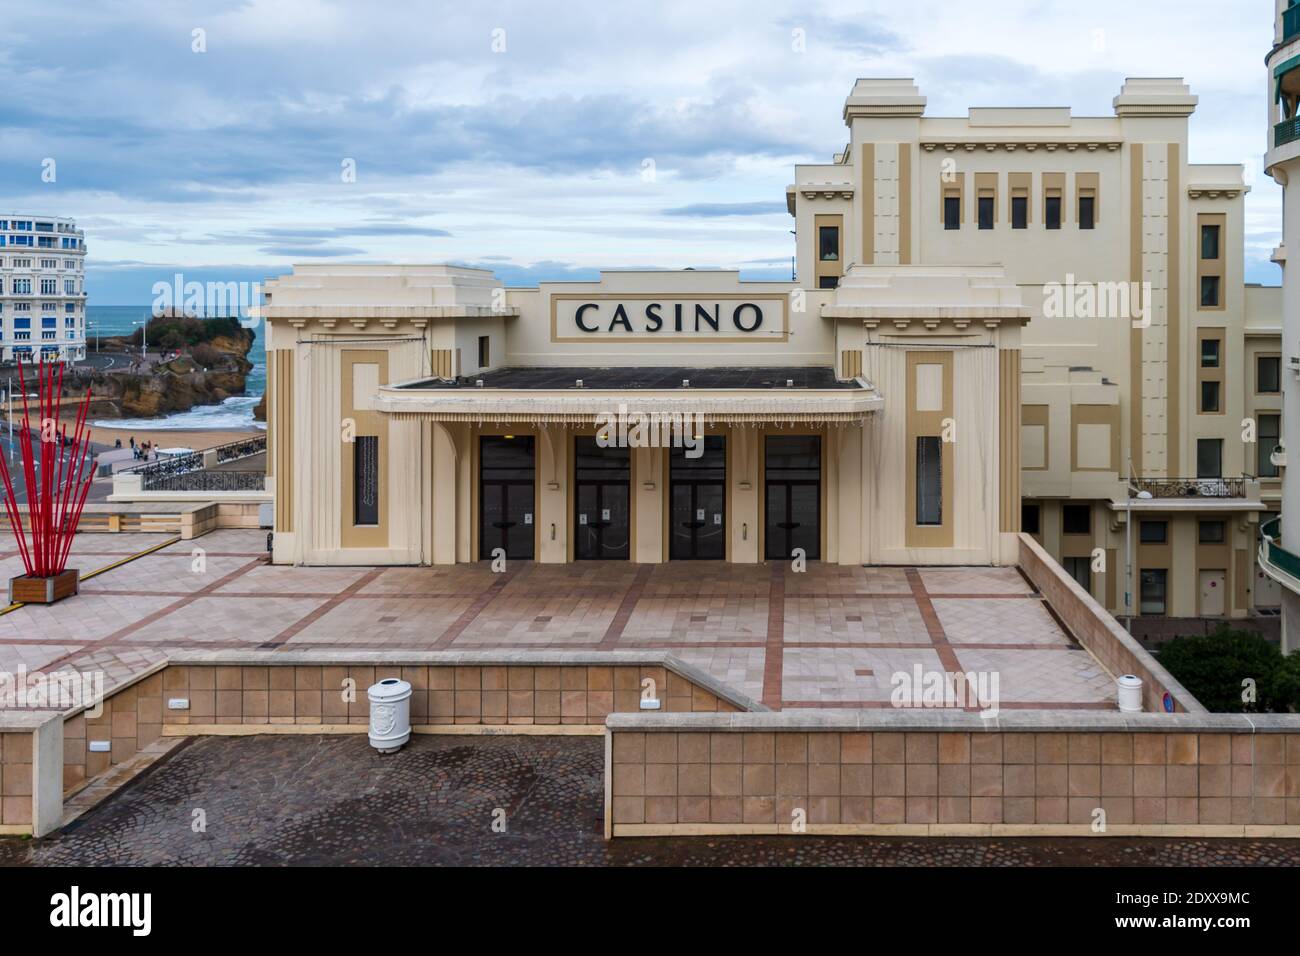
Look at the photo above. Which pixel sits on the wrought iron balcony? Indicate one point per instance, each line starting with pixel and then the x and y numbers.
pixel 1195 487
pixel 1287 131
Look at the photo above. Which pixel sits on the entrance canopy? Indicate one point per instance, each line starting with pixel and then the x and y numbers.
pixel 579 395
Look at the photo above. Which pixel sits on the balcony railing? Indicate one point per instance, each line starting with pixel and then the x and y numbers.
pixel 1195 487
pixel 1287 131
pixel 235 450
pixel 1290 23
pixel 186 472
pixel 208 481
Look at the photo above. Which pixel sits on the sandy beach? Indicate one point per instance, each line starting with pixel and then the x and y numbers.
pixel 197 439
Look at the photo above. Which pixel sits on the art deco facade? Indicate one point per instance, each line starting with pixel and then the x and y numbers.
pixel 1151 372
pixel 1018 297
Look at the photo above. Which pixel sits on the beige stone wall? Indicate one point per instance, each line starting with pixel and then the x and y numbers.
pixel 954 782
pixel 15 781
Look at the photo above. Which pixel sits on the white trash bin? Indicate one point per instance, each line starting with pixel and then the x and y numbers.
pixel 1130 694
pixel 390 714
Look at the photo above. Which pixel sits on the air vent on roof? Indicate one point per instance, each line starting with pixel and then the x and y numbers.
pixel 686 383
pixel 478 383
pixel 578 383
pixel 789 383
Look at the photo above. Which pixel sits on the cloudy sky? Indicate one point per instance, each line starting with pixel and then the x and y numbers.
pixel 543 140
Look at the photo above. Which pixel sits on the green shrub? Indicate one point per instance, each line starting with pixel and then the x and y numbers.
pixel 1214 666
pixel 182 331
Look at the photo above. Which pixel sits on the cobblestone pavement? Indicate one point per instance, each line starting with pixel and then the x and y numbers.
pixel 829 637
pixel 271 800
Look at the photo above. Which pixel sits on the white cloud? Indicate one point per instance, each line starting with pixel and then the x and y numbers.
pixel 534 154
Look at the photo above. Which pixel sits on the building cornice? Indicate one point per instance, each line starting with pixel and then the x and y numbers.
pixel 1028 145
pixel 359 317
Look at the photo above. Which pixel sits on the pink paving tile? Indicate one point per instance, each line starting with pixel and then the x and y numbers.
pixel 235 621
pixel 941 581
pixel 383 622
pixel 972 620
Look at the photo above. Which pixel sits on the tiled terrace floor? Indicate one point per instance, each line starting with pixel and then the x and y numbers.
pixel 828 637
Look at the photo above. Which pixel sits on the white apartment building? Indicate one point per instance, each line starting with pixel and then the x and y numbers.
pixel 1282 162
pixel 42 289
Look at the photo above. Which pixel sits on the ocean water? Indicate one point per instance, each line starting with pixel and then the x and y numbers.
pixel 235 412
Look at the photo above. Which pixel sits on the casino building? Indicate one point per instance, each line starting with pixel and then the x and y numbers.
pixel 419 414
pixel 1014 303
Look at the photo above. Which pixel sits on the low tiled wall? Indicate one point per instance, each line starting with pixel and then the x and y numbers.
pixel 950 774
pixel 314 692
pixel 1094 627
pixel 130 719
pixel 469 693
pixel 31 752
pixel 15 782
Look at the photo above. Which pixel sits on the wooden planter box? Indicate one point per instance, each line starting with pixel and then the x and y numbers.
pixel 30 590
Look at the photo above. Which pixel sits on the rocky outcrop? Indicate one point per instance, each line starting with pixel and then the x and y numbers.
pixel 206 374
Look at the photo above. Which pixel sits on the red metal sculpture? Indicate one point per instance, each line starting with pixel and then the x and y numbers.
pixel 56 483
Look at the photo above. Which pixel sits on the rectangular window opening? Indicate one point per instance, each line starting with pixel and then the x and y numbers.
pixel 929 480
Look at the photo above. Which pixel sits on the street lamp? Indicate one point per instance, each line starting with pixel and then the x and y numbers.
pixel 144 336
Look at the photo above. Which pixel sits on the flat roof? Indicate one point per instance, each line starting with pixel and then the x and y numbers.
pixel 550 378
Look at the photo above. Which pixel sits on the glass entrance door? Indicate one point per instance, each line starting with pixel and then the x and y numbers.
pixel 602 501
pixel 506 497
pixel 792 496
pixel 698 519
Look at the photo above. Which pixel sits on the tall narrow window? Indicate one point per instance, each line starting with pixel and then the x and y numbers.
pixel 1052 212
pixel 1209 353
pixel 952 212
pixel 1154 591
pixel 929 480
pixel 828 243
pixel 1268 369
pixel 484 351
pixel 1087 212
pixel 365 480
pixel 1031 518
pixel 1081 570
pixel 1019 212
pixel 986 212
pixel 1209 397
pixel 1209 242
pixel 1268 435
pixel 1209 457
pixel 1209 292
